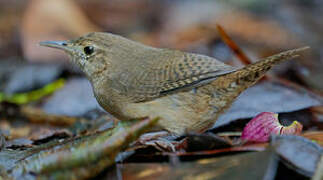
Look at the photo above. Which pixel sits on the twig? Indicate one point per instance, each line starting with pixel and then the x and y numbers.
pixel 235 48
pixel 36 115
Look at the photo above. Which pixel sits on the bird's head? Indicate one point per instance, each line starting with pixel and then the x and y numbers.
pixel 95 52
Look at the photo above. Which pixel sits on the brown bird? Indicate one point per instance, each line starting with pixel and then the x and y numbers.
pixel 186 91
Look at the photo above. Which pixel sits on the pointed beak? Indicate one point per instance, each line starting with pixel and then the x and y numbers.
pixel 56 44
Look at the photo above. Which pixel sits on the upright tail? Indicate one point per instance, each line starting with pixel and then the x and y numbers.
pixel 251 73
pixel 227 87
pixel 261 67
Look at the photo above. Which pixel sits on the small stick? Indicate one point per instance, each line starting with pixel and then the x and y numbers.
pixel 234 47
pixel 36 115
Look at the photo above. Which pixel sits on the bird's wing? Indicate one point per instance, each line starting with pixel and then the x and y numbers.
pixel 184 71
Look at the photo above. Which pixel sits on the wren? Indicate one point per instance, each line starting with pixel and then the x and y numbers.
pixel 187 91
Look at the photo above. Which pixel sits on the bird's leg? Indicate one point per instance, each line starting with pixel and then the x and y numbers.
pixel 161 140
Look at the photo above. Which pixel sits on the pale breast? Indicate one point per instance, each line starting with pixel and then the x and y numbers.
pixel 179 113
pixel 188 111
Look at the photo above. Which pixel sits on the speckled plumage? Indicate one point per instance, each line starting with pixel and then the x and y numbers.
pixel 187 91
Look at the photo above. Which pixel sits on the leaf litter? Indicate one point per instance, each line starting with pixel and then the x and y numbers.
pixel 49 133
pixel 72 158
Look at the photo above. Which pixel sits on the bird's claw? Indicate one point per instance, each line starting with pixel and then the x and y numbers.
pixel 157 140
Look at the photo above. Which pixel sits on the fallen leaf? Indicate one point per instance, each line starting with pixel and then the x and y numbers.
pixel 79 158
pixel 298 153
pixel 256 165
pixel 265 124
pixel 28 77
pixel 36 27
pixel 75 99
pixel 273 96
pixel 23 98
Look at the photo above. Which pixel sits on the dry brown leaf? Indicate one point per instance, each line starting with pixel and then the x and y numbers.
pixel 52 20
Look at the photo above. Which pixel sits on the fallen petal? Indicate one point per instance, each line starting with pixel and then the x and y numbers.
pixel 265 124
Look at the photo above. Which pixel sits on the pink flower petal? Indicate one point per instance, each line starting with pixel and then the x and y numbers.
pixel 264 124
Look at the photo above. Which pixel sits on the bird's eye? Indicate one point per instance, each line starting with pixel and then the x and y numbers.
pixel 88 50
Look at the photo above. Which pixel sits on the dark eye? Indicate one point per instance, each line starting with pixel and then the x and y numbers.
pixel 88 50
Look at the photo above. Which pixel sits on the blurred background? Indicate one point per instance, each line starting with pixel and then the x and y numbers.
pixel 44 98
pixel 259 27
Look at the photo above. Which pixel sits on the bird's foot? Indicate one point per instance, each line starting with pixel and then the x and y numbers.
pixel 161 140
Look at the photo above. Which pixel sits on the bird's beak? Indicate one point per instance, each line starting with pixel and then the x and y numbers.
pixel 56 44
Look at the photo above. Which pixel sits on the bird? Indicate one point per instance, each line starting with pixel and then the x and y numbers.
pixel 186 91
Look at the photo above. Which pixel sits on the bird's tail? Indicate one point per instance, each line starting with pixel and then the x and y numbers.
pixel 229 86
pixel 251 73
pixel 258 69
